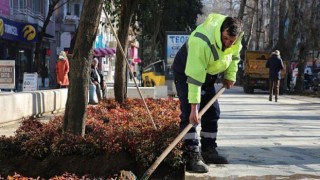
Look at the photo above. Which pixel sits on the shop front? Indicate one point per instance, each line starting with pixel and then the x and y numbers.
pixel 17 42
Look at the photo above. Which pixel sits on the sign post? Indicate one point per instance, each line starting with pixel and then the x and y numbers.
pixel 7 74
pixel 30 82
pixel 174 41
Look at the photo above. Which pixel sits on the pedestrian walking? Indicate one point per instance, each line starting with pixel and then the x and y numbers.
pixel 275 66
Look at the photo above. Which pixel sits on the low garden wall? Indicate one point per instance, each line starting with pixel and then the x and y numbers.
pixel 15 106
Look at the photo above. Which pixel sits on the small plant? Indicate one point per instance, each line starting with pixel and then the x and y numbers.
pixel 128 129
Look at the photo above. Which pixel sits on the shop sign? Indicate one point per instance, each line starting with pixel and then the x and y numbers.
pixel 174 41
pixel 7 74
pixel 30 82
pixel 18 31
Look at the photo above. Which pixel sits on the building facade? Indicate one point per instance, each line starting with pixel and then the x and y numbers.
pixel 20 22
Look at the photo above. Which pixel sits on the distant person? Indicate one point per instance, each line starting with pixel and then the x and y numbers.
pixel 140 74
pixel 97 79
pixel 62 70
pixel 275 66
pixel 307 79
pixel 44 73
pixel 289 80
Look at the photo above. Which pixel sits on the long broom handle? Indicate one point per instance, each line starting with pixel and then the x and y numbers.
pixel 128 67
pixel 153 167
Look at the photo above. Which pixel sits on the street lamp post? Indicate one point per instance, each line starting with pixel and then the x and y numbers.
pixel 19 85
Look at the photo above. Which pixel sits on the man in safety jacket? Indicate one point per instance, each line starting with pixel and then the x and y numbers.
pixel 214 47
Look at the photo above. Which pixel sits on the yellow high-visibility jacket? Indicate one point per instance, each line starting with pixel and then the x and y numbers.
pixel 205 55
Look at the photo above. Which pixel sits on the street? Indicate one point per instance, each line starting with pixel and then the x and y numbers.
pixel 267 140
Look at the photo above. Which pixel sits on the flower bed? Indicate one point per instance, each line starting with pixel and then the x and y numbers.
pixel 117 137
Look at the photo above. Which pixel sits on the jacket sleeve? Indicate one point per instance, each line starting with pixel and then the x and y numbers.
pixel 66 67
pixel 91 75
pixel 281 64
pixel 101 77
pixel 196 67
pixel 231 71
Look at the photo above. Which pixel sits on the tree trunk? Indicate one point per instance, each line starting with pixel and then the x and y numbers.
pixel 156 27
pixel 250 33
pixel 120 86
pixel 258 25
pixel 271 25
pixel 242 8
pixel 80 61
pixel 306 25
pixel 37 51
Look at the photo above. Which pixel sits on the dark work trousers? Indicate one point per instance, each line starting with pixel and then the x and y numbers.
pixel 274 85
pixel 209 121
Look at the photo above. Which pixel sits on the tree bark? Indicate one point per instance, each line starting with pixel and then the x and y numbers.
pixel 307 26
pixel 80 61
pixel 120 85
pixel 271 25
pixel 242 8
pixel 156 27
pixel 258 25
pixel 37 51
pixel 250 33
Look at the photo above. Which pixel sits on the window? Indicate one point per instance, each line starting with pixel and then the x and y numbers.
pixel 36 6
pixel 11 4
pixel 73 8
pixel 22 4
pixel 68 8
pixel 77 10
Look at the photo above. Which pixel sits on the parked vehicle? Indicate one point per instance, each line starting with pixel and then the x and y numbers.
pixel 256 75
pixel 153 74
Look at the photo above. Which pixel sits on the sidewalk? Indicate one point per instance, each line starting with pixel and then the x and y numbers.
pixel 266 140
pixel 9 128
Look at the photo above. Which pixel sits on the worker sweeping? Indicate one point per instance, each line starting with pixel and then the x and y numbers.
pixel 212 48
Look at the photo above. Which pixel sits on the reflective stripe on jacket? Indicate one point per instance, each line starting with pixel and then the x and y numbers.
pixel 205 55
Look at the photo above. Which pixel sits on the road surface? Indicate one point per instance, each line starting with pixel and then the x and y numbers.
pixel 267 140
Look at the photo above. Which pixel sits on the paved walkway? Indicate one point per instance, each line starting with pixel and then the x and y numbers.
pixel 267 140
pixel 9 128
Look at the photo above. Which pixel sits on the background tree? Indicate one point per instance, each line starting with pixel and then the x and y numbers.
pixel 308 38
pixel 80 61
pixel 37 53
pixel 242 8
pixel 127 10
pixel 177 15
pixel 287 25
pixel 159 16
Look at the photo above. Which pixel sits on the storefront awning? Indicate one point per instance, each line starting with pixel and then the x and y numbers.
pixel 137 60
pixel 104 52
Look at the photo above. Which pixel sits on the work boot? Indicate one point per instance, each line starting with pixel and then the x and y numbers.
pixel 211 156
pixel 270 98
pixel 194 162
